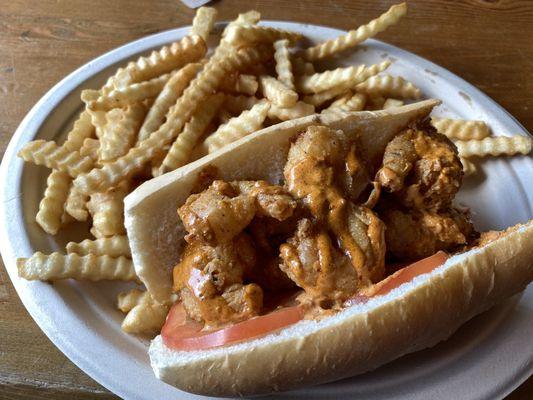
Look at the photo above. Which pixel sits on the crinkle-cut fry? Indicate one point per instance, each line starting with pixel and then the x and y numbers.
pixel 251 17
pixel 51 206
pixel 218 66
pixel 146 317
pixel 302 67
pixel 194 130
pixel 495 146
pixel 172 90
pixel 299 110
pixel 249 121
pixel 391 103
pixel 113 246
pixel 49 154
pixel 90 148
pixel 461 129
pixel 120 131
pixel 246 35
pixel 277 92
pixel 168 58
pixel 354 37
pixel 237 104
pixel 346 77
pixel 223 116
pixel 203 22
pixel 82 129
pixel 355 102
pixel 339 101
pixel 388 85
pixel 56 266
pixel 76 204
pixel 127 300
pixel 127 95
pixel 319 99
pixel 375 103
pixel 283 63
pixel 107 211
pixel 241 83
pixel 469 168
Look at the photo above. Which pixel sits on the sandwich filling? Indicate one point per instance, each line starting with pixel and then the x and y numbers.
pixel 321 240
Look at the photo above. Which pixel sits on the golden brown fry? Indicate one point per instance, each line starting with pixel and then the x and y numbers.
pixel 354 37
pixel 58 266
pixel 51 206
pixel 181 149
pixel 113 246
pixel 283 63
pixel 127 300
pixel 218 66
pixel 277 92
pixel 203 22
pixel 319 99
pixel 302 67
pixel 461 129
pixel 171 92
pixel 389 86
pixel 469 167
pixel 245 84
pixel 246 123
pixel 127 95
pixel 49 154
pixel 90 148
pixel 495 146
pixel 246 35
pixel 146 316
pixel 168 58
pixel 345 77
pixel 299 110
pixel 76 204
pixel 349 102
pixel 120 131
pixel 82 129
pixel 107 211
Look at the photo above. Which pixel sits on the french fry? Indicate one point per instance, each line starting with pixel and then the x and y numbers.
pixel 113 246
pixel 245 84
pixel 127 95
pixel 251 17
pixel 203 22
pixel 302 67
pixel 354 37
pixel 145 317
pixel 283 63
pixel 49 154
pixel 120 131
pixel 461 129
pixel 355 102
pixel 181 149
pixel 168 58
pixel 341 100
pixel 127 300
pixel 375 103
pixel 107 211
pixel 223 116
pixel 469 167
pixel 246 35
pixel 51 206
pixel 58 266
pixel 345 77
pixel 82 129
pixel 277 92
pixel 237 104
pixel 495 146
pixel 246 123
pixel 90 148
pixel 318 99
pixel 218 66
pixel 389 86
pixel 391 103
pixel 171 91
pixel 76 204
pixel 299 110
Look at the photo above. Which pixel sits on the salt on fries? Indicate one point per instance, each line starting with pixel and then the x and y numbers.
pixel 166 109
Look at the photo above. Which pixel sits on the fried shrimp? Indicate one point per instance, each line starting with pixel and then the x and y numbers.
pixel 320 164
pixel 422 169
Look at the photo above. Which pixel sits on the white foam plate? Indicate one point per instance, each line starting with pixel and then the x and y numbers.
pixel 487 358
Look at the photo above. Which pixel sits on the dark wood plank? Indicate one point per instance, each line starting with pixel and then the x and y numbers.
pixel 488 43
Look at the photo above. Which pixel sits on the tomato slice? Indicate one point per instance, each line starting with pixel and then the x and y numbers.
pixel 180 334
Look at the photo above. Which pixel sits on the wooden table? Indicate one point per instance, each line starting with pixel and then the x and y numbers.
pixel 487 42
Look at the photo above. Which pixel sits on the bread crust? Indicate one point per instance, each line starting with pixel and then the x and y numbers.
pixel 154 229
pixel 414 316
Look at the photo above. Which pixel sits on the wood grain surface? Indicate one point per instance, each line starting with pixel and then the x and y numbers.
pixel 487 42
